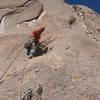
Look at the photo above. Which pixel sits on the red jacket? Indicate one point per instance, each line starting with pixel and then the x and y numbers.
pixel 37 33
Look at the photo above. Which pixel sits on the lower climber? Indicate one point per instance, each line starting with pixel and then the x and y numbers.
pixel 33 41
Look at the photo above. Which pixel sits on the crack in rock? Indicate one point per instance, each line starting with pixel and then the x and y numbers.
pixel 14 5
pixel 29 11
pixel 80 13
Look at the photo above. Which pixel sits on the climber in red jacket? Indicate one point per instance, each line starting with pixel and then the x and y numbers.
pixel 33 41
pixel 36 34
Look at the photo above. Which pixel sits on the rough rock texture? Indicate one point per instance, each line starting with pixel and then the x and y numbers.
pixel 12 3
pixel 88 17
pixel 70 70
pixel 13 13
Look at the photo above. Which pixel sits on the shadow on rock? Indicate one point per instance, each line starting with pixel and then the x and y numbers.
pixel 40 51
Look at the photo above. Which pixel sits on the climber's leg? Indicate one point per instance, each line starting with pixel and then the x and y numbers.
pixel 28 51
pixel 33 50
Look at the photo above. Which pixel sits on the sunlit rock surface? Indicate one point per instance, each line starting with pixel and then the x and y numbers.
pixel 70 70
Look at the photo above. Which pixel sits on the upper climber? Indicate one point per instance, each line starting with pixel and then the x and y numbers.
pixel 33 41
pixel 36 34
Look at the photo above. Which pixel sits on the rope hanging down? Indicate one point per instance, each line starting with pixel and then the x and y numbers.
pixel 9 66
pixel 22 78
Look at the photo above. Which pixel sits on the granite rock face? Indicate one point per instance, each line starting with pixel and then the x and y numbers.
pixel 69 69
pixel 17 12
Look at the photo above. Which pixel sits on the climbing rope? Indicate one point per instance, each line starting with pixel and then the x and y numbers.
pixel 22 78
pixel 14 49
pixel 9 66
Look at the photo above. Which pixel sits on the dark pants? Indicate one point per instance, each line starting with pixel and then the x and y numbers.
pixel 31 51
pixel 28 50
